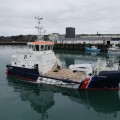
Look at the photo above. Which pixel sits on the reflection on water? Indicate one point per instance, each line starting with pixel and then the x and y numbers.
pixel 76 57
pixel 92 53
pixel 41 98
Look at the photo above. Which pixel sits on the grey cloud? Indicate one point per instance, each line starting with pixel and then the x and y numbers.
pixel 87 16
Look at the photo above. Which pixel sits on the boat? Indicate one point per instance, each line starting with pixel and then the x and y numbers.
pixel 38 64
pixel 92 49
pixel 114 49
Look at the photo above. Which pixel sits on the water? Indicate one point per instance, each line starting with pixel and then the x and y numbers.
pixel 25 101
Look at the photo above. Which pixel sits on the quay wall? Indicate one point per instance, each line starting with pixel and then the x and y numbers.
pixel 80 46
pixel 65 46
pixel 13 43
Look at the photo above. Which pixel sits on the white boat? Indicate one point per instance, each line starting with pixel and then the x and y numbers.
pixel 114 49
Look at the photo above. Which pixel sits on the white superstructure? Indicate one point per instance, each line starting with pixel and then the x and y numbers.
pixel 39 55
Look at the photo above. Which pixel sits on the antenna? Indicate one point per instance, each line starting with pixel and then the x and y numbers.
pixel 44 34
pixel 39 27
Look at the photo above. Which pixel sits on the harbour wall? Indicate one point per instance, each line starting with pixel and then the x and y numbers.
pixel 13 43
pixel 65 46
pixel 81 46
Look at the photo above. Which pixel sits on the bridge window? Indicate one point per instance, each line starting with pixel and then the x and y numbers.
pixel 33 47
pixel 49 47
pixel 37 47
pixel 42 47
pixel 46 47
pixel 30 46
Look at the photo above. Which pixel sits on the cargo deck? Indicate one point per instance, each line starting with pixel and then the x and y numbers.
pixel 66 74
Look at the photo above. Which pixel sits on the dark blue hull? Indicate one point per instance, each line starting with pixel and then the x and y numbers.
pixel 106 80
pixel 30 75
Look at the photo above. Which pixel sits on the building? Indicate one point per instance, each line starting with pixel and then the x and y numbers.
pixel 71 38
pixel 70 32
pixel 91 39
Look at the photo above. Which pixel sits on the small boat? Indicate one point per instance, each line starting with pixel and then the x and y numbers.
pixel 114 49
pixel 92 49
pixel 38 64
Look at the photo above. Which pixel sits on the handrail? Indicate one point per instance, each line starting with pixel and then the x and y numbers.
pixel 64 80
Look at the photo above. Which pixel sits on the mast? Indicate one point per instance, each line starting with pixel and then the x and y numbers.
pixel 39 27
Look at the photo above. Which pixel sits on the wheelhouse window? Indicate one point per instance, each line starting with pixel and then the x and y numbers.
pixel 46 47
pixel 30 46
pixel 37 47
pixel 33 47
pixel 49 47
pixel 42 47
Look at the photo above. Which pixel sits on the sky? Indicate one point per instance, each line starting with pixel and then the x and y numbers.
pixel 17 17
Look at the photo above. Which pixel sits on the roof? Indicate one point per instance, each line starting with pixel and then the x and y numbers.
pixel 42 43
